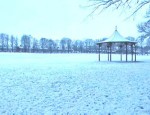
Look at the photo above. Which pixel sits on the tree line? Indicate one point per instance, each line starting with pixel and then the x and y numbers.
pixel 27 43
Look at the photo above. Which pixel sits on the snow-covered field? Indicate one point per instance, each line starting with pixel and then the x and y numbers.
pixel 73 84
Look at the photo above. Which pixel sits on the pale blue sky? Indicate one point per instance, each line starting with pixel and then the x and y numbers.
pixel 62 18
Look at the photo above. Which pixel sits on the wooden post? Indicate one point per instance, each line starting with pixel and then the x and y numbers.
pixel 132 52
pixel 126 53
pixel 121 52
pixel 110 51
pixel 135 52
pixel 99 53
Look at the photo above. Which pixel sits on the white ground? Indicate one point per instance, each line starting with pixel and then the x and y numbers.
pixel 73 84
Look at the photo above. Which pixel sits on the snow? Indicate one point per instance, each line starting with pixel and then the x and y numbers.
pixel 73 84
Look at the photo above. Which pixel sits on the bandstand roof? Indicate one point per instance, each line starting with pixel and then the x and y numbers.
pixel 116 37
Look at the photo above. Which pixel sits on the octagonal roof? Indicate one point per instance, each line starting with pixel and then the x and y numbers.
pixel 116 37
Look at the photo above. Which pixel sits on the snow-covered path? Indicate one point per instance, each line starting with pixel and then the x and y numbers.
pixel 49 84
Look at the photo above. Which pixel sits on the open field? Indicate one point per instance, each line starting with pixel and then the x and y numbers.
pixel 49 84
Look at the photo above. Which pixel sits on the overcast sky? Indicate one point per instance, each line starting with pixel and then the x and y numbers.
pixel 62 18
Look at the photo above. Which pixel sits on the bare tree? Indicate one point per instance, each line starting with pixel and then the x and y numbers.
pixel 35 45
pixel 81 43
pixel 66 44
pixel 144 30
pixel 4 39
pixel 140 40
pixel 7 42
pixel 95 46
pixel 12 42
pixel 148 43
pixel 133 5
pixel 16 44
pixel 26 42
pixel 76 45
pixel 63 44
pixel 44 44
pixel 69 41
pixel 88 45
pixel 50 45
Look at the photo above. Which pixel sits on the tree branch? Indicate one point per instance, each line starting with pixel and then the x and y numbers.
pixel 126 4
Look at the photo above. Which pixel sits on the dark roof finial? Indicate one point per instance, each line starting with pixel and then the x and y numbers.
pixel 115 28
